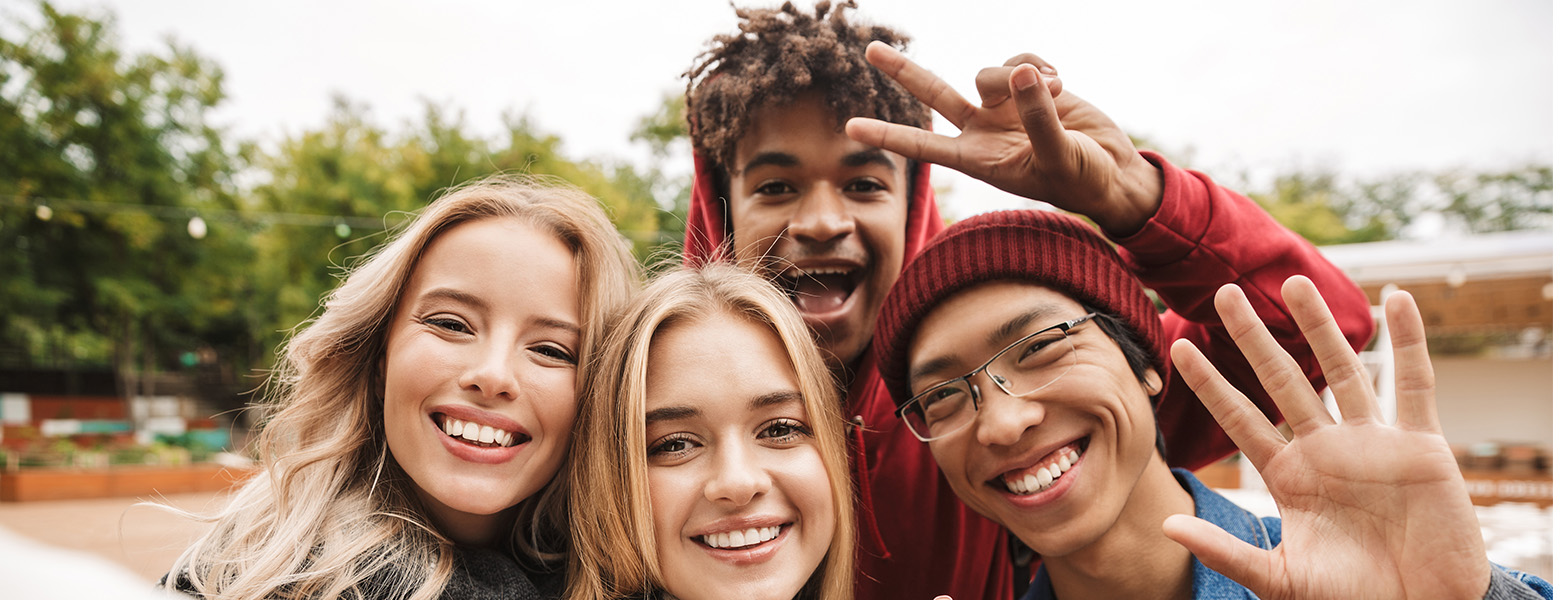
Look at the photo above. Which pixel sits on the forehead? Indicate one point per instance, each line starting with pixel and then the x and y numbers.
pixel 967 319
pixel 718 359
pixel 805 127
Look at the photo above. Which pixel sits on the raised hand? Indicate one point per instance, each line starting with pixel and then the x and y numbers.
pixel 1368 509
pixel 1030 137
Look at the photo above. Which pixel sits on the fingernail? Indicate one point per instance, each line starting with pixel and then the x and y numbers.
pixel 1025 78
pixel 1048 69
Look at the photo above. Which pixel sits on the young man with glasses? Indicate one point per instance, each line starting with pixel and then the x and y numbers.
pixel 833 209
pixel 1034 376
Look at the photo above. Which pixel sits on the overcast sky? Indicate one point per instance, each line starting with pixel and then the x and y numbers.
pixel 1365 86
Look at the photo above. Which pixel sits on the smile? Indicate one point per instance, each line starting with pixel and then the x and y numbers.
pixel 741 539
pixel 482 436
pixel 821 290
pixel 1047 471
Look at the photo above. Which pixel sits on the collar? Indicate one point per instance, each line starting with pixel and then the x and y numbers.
pixel 1215 508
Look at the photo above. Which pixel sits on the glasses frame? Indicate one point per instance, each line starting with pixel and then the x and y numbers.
pixel 976 395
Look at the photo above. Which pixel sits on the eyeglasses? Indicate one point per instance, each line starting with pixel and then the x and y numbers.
pixel 1020 369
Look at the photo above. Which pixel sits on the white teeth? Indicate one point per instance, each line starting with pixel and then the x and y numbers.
pixel 1045 475
pixel 741 538
pixel 481 434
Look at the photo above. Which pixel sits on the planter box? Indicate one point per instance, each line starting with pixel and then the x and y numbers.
pixel 25 485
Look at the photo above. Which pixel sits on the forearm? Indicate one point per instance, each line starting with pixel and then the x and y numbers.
pixel 1202 237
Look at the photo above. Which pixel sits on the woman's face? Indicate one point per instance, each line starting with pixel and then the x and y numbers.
pixel 480 372
pixel 739 493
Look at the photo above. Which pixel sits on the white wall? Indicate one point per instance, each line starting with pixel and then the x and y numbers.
pixel 1495 400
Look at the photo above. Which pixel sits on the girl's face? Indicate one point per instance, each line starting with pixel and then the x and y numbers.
pixel 740 499
pixel 480 372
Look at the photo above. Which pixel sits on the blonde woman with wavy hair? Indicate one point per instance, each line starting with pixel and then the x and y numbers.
pixel 417 423
pixel 710 456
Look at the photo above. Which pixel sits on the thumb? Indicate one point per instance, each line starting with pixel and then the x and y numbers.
pixel 1247 565
pixel 1038 115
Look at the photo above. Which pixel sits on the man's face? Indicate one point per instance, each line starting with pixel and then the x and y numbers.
pixel 1094 424
pixel 824 213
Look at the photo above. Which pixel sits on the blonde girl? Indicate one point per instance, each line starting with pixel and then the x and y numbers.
pixel 416 423
pixel 710 456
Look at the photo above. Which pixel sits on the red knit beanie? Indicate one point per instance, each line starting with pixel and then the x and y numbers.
pixel 1051 249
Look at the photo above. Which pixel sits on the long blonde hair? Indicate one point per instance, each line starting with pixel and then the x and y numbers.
pixel 333 515
pixel 613 542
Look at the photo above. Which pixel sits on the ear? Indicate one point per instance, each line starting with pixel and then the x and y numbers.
pixel 1152 383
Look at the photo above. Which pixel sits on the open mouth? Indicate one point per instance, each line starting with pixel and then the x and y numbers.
pixel 820 290
pixel 740 539
pixel 482 436
pixel 1041 476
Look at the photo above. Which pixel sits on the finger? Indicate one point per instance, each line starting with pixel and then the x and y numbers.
pixel 1248 565
pixel 905 140
pixel 1342 367
pixel 1038 115
pixel 1033 60
pixel 1414 398
pixel 993 85
pixel 922 84
pixel 1276 370
pixel 1238 416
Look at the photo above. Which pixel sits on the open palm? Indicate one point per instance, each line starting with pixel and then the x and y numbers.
pixel 1029 137
pixel 1369 509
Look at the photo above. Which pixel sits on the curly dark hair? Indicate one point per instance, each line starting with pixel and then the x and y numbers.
pixel 779 53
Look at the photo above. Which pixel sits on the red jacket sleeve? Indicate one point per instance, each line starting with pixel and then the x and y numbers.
pixel 1204 236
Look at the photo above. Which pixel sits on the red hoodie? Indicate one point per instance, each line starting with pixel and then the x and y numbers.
pixel 916 538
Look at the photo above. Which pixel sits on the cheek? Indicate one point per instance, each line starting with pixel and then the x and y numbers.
pixel 752 225
pixel 671 499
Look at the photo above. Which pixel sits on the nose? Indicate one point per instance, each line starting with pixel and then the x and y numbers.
pixel 1003 419
pixel 736 477
pixel 491 371
pixel 822 215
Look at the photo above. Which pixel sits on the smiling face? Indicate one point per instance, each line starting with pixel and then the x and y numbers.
pixel 1094 425
pixel 826 212
pixel 480 372
pixel 740 498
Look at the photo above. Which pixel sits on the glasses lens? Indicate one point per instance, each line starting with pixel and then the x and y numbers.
pixel 1034 363
pixel 941 411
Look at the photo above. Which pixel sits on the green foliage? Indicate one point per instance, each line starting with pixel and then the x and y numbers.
pixel 97 146
pixel 1326 209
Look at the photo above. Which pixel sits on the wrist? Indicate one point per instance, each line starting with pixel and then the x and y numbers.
pixel 1140 196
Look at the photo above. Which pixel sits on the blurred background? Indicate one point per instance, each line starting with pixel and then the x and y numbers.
pixel 182 181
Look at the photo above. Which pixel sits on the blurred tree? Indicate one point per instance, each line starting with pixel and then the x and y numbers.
pixel 1327 209
pixel 666 132
pixel 106 159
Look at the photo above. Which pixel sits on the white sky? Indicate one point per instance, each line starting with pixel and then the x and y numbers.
pixel 1363 86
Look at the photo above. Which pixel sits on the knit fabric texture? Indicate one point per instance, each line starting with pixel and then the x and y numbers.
pixel 1050 249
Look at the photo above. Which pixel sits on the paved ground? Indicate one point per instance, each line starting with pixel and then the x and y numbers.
pixel 146 540
pixel 143 539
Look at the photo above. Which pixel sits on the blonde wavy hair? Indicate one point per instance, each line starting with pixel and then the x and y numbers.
pixel 612 537
pixel 332 515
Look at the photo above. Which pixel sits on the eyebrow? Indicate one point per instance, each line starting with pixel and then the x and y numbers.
pixel 446 293
pixel 1004 334
pixel 871 156
pixel 478 302
pixel 778 159
pixel 675 413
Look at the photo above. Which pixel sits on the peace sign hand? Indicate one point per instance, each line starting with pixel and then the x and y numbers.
pixel 1368 509
pixel 1029 137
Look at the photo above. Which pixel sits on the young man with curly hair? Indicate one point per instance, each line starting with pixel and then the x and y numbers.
pixel 833 210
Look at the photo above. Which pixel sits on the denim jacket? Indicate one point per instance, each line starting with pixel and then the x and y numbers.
pixel 1505 584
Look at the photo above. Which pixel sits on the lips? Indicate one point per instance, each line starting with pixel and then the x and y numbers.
pixel 1044 473
pixel 821 289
